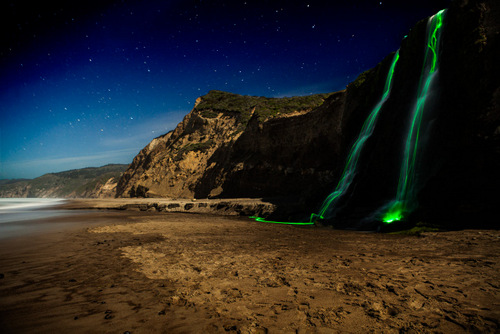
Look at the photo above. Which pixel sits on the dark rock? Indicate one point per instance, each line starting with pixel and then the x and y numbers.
pixel 229 328
pixel 138 191
pixel 223 205
pixel 108 314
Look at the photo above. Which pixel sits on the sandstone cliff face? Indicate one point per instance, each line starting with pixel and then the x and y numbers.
pixel 170 165
pixel 218 151
pixel 105 188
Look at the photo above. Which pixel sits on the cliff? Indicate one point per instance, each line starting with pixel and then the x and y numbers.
pixel 179 163
pixel 90 182
pixel 294 149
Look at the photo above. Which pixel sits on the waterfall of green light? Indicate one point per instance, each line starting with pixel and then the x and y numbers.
pixel 353 157
pixel 404 201
pixel 355 152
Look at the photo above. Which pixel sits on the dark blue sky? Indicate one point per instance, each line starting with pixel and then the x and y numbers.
pixel 90 83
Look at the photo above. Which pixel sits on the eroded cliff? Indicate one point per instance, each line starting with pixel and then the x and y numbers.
pixel 182 162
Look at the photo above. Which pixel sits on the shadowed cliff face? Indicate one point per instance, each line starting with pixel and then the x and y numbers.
pixel 295 150
pixel 457 167
pixel 464 155
pixel 280 157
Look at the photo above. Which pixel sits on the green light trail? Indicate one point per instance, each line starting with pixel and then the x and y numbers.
pixel 404 200
pixel 353 157
pixel 262 220
pixel 355 152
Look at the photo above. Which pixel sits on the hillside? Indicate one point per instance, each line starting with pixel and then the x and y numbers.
pixel 89 182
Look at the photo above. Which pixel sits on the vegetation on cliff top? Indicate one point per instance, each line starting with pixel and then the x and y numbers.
pixel 216 102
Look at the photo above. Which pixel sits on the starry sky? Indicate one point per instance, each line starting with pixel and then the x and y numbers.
pixel 88 83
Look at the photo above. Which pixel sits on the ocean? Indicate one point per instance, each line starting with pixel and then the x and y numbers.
pixel 21 216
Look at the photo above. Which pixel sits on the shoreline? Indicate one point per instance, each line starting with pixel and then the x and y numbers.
pixel 114 271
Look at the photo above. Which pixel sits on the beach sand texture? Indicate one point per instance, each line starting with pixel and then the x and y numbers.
pixel 147 272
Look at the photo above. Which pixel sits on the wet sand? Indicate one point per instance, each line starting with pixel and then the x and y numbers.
pixel 149 272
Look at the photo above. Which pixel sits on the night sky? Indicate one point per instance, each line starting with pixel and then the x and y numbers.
pixel 87 83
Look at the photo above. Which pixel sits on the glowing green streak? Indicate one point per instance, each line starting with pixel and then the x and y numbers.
pixel 355 152
pixel 262 220
pixel 434 40
pixel 401 205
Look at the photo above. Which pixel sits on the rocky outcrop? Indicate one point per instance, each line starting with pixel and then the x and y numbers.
pixel 92 182
pixel 223 207
pixel 234 146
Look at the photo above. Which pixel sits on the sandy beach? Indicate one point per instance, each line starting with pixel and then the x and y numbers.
pixel 156 272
